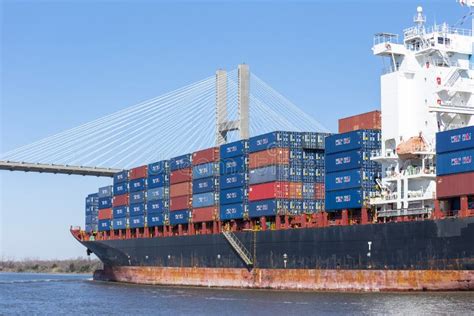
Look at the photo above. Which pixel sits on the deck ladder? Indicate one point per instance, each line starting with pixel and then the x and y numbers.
pixel 238 247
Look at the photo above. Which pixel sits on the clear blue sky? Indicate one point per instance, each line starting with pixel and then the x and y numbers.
pixel 66 63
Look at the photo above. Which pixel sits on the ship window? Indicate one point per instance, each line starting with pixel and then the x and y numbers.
pixel 444 40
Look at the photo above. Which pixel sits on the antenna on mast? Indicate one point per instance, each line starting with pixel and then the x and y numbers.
pixel 419 18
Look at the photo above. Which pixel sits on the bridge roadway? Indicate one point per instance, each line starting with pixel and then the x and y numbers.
pixel 58 169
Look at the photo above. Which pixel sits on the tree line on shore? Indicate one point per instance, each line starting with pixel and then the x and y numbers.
pixel 78 265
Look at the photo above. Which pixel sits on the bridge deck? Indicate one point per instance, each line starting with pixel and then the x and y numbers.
pixel 57 169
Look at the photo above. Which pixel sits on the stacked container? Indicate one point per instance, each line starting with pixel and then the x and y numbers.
pixel 181 189
pixel 92 212
pixel 455 164
pixel 105 208
pixel 205 185
pixel 120 201
pixel 350 174
pixel 233 180
pixel 137 196
pixel 158 186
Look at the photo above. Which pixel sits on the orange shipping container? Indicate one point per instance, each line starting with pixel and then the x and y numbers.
pixel 319 191
pixel 204 214
pixel 181 175
pixel 369 120
pixel 180 203
pixel 120 200
pixel 205 156
pixel 296 190
pixel 180 189
pixel 105 213
pixel 138 172
pixel 272 156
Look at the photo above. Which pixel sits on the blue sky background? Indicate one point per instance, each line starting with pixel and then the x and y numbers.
pixel 66 63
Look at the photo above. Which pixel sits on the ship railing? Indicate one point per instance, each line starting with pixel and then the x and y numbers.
pixel 404 212
pixel 443 28
pixel 382 38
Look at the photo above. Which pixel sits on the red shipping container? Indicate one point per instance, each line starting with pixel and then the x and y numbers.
pixel 272 156
pixel 319 191
pixel 120 200
pixel 369 120
pixel 180 189
pixel 180 203
pixel 105 213
pixel 138 172
pixel 270 190
pixel 455 185
pixel 205 156
pixel 181 175
pixel 204 214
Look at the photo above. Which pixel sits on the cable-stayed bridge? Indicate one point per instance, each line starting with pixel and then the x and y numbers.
pixel 221 108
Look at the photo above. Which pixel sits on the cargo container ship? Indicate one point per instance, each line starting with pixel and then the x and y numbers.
pixel 385 204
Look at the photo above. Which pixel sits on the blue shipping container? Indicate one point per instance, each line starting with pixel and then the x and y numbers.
pixel 268 207
pixel 158 180
pixel 354 140
pixel 104 224
pixel 91 228
pixel 180 162
pixel 92 199
pixel 105 202
pixel 455 139
pixel 269 174
pixel 157 194
pixel 204 199
pixel 137 209
pixel 120 188
pixel 344 199
pixel 205 170
pixel 269 140
pixel 204 185
pixel 137 221
pixel 121 176
pixel 155 219
pixel 232 181
pixel 312 140
pixel 232 196
pixel 179 217
pixel 233 165
pixel 119 223
pixel 91 210
pixel 308 190
pixel 234 149
pixel 159 167
pixel 348 160
pixel 105 191
pixel 232 211
pixel 137 197
pixel 137 185
pixel 120 211
pixel 158 206
pixel 455 162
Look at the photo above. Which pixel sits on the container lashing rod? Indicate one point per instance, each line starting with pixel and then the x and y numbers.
pixel 239 247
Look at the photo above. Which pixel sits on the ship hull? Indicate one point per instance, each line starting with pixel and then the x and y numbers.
pixel 425 255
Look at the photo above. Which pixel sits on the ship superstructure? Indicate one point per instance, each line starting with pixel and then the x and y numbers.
pixel 426 87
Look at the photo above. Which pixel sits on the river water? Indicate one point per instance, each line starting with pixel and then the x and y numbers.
pixel 54 294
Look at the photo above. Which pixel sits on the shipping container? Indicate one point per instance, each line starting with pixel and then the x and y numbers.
pixel 179 217
pixel 232 196
pixel 206 156
pixel 90 228
pixel 350 160
pixel 91 210
pixel 344 199
pixel 121 188
pixel 138 172
pixel 158 180
pixel 204 199
pixel 105 213
pixel 234 149
pixel 269 140
pixel 137 221
pixel 180 162
pixel 160 167
pixel 295 207
pixel 455 139
pixel 120 211
pixel 296 172
pixel 369 120
pixel 105 191
pixel 455 162
pixel 121 176
pixel 205 185
pixel 365 140
pixel 312 206
pixel 137 185
pixel 319 191
pixel 204 214
pixel 455 185
pixel 232 211
pixel 234 180
pixel 120 200
pixel 205 170
pixel 295 190
pixel 105 202
pixel 158 206
pixel 308 191
pixel 181 175
pixel 269 174
pixel 269 207
pixel 233 165
pixel 137 209
pixel 180 189
pixel 137 197
pixel 296 139
pixel 104 225
pixel 313 140
pixel 349 179
pixel 180 203
pixel 92 199
pixel 157 194
pixel 271 190
pixel 155 219
pixel 272 156
pixel 119 223
pixel 296 154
